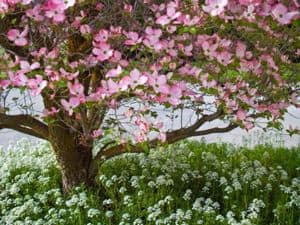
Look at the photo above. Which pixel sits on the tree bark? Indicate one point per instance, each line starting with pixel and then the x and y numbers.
pixel 74 164
pixel 73 157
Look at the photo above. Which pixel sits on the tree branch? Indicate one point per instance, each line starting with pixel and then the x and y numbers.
pixel 215 130
pixel 25 124
pixel 171 137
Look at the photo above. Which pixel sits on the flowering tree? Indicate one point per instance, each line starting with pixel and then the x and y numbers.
pixel 115 68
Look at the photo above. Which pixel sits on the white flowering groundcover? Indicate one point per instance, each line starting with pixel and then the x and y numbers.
pixel 186 183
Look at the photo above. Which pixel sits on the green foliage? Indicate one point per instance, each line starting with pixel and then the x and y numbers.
pixel 186 183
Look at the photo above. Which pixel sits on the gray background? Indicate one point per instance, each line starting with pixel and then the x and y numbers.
pixel 236 136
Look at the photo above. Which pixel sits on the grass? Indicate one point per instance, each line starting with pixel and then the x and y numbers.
pixel 186 183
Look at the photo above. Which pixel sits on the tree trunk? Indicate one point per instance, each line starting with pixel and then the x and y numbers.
pixel 73 158
pixel 74 164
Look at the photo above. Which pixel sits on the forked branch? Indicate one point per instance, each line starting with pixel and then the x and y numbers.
pixel 171 137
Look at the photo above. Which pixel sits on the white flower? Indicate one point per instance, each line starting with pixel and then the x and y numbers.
pixel 93 213
pixel 151 184
pixel 220 218
pixel 122 190
pixel 107 202
pixel 109 214
pixel 138 221
pixel 187 195
pixel 73 201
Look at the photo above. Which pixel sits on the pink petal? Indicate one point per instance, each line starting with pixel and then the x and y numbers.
pixel 21 41
pixel 12 34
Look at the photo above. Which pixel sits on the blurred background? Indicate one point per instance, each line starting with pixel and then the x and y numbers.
pixel 236 136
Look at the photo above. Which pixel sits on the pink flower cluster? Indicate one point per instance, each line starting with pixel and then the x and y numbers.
pixel 249 9
pixel 178 55
pixel 19 78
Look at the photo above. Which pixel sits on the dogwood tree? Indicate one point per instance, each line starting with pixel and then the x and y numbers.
pixel 121 72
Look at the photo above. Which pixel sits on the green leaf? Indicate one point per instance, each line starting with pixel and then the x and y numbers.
pixel 193 30
pixel 2 51
pixel 3 75
pixel 61 84
pixel 49 120
pixel 145 147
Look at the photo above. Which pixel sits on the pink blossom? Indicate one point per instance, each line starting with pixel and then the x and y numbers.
pixel 133 38
pixel 175 95
pixel 250 13
pixel 140 137
pixel 206 83
pixel 215 7
pixel 76 89
pixel 274 109
pixel 17 79
pixel 209 50
pixel 70 105
pixel 19 38
pixel 35 13
pixel 261 108
pixel 224 58
pixel 136 78
pixel 57 16
pixel 252 65
pixel 96 96
pixel 151 39
pixel 281 14
pixel 54 9
pixel 117 58
pixel 142 124
pixel 4 83
pixel 39 53
pixel 69 76
pixel 85 29
pixel 26 67
pixel 115 31
pixel 171 29
pixel 101 36
pixel 240 49
pixel 111 86
pixel 50 112
pixel 159 83
pixel 77 22
pixel 172 65
pixel 128 8
pixel 99 6
pixel 3 7
pixel 53 54
pixel 190 70
pixel 169 17
pixel 241 114
pixel 188 21
pixel 52 74
pixel 250 2
pixel 114 72
pixel 103 51
pixel 97 133
pixel 36 85
pixel 187 50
